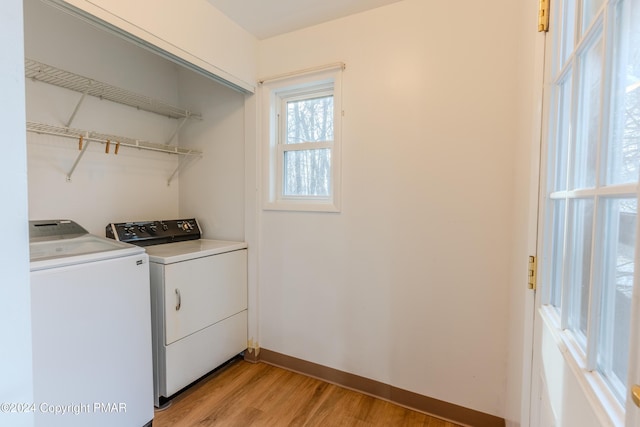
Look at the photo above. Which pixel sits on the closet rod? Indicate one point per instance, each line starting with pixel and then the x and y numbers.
pixel 103 138
pixel 333 65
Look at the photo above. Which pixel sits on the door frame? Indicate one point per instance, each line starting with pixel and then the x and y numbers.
pixel 538 124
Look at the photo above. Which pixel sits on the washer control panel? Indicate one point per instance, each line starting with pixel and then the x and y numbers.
pixel 54 229
pixel 146 233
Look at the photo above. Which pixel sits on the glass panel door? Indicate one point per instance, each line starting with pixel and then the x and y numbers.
pixel 591 192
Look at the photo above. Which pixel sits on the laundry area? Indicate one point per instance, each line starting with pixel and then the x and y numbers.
pixel 121 140
pixel 349 197
pixel 191 160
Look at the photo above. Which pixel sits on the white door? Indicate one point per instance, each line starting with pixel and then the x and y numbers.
pixel 586 345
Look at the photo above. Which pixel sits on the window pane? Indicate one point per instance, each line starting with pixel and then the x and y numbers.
pixel 579 266
pixel 586 145
pixel 307 172
pixel 589 11
pixel 310 120
pixel 623 153
pixel 563 135
pixel 557 252
pixel 568 29
pixel 619 242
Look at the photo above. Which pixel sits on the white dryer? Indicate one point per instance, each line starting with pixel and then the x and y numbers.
pixel 198 299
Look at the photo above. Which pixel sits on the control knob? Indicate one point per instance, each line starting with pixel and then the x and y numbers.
pixel 186 226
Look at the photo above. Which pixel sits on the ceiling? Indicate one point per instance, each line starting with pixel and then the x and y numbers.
pixel 268 18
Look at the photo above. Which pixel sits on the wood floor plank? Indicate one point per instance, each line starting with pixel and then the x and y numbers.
pixel 247 394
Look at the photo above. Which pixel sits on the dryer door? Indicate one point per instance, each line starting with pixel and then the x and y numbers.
pixel 203 291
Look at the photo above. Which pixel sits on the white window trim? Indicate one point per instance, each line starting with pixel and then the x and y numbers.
pixel 271 95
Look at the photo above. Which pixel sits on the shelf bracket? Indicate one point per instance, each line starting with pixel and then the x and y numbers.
pixel 84 148
pixel 175 133
pixel 75 111
pixel 181 164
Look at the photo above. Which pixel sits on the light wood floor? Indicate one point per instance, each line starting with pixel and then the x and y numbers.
pixel 247 394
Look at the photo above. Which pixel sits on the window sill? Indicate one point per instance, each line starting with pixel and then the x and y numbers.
pixel 302 206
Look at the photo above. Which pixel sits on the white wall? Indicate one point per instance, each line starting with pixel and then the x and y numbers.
pixel 15 321
pixel 409 284
pixel 212 188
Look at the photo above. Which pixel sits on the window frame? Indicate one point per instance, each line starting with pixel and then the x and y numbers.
pixel 275 94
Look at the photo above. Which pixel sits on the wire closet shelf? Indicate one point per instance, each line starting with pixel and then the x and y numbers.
pixel 48 74
pixel 103 138
pixel 38 71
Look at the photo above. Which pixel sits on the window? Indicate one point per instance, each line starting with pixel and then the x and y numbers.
pixel 591 206
pixel 302 118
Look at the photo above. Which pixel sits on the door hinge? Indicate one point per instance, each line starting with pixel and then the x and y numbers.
pixel 543 16
pixel 531 283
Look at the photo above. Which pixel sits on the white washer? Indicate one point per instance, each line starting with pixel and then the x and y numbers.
pixel 199 310
pixel 92 358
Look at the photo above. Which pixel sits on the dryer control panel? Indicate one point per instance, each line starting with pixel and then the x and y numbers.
pixel 146 233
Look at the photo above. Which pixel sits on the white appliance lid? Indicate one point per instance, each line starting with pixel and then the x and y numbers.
pixel 82 245
pixel 169 253
pixel 58 243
